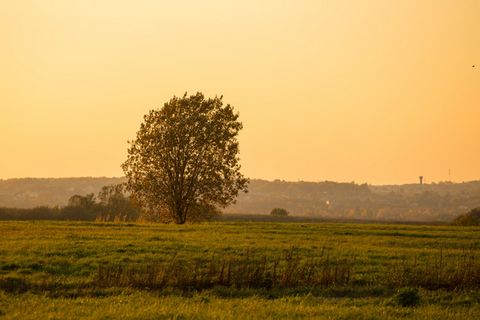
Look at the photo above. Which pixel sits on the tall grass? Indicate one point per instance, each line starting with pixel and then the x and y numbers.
pixel 440 271
pixel 249 271
pixel 291 270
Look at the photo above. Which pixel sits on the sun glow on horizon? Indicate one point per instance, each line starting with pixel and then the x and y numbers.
pixel 366 91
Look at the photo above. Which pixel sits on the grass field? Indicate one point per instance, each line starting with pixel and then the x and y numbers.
pixel 51 270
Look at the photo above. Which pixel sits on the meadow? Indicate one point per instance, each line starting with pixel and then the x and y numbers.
pixel 237 270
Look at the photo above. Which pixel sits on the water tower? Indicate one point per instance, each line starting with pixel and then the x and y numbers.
pixel 421 179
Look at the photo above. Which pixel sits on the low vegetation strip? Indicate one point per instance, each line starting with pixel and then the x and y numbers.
pixel 438 272
pixel 287 271
pixel 292 271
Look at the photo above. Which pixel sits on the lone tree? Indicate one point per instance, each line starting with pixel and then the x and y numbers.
pixel 185 157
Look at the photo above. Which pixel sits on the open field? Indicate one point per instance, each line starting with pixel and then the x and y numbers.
pixel 53 270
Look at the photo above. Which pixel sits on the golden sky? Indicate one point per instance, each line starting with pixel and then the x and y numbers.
pixel 368 91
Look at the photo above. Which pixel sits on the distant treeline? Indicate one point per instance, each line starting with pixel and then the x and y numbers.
pixel 47 213
pixel 111 204
pixel 412 202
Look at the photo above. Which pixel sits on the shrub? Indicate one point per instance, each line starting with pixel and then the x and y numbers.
pixel 204 212
pixel 407 297
pixel 279 212
pixel 471 218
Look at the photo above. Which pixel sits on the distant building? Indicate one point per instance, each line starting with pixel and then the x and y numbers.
pixel 421 179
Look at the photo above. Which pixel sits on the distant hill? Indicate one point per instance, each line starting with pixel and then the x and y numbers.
pixel 32 192
pixel 298 197
pixel 412 202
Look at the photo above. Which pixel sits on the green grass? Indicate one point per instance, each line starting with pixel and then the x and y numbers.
pixel 48 270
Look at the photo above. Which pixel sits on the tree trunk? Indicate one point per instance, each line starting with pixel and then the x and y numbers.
pixel 179 219
pixel 180 215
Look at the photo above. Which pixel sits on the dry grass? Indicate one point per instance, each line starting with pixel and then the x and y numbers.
pixel 290 270
pixel 438 272
pixel 287 271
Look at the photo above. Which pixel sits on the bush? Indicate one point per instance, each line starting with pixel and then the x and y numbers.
pixel 471 218
pixel 279 212
pixel 407 297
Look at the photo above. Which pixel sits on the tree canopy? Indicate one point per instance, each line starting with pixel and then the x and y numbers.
pixel 186 156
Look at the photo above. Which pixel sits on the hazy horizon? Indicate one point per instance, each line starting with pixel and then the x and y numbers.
pixel 373 92
pixel 426 182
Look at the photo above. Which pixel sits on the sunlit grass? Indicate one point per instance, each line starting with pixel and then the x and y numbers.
pixel 59 261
